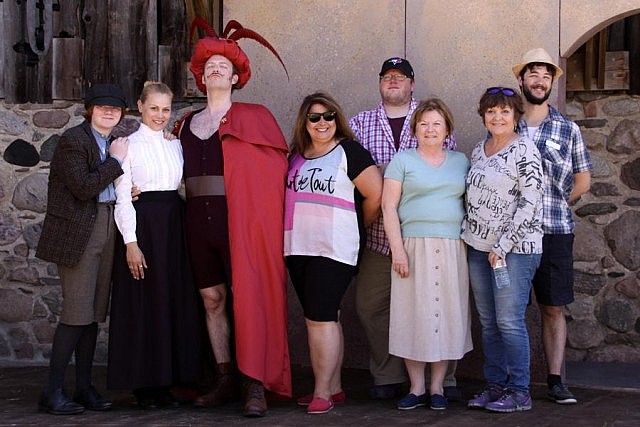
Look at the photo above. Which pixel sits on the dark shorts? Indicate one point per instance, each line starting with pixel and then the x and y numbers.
pixel 553 281
pixel 320 284
pixel 209 254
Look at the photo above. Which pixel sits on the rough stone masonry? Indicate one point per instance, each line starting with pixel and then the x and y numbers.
pixel 604 321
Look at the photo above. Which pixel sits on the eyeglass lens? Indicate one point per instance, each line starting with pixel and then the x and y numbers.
pixel 396 77
pixel 328 116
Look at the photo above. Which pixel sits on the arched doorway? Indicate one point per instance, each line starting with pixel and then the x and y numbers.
pixel 603 81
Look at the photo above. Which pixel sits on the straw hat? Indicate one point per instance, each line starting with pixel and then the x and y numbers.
pixel 536 55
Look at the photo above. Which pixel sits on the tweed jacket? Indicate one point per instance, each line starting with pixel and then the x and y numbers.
pixel 76 178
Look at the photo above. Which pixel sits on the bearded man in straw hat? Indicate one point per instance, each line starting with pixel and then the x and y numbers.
pixel 235 158
pixel 567 176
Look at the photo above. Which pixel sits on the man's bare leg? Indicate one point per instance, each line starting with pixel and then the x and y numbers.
pixel 218 328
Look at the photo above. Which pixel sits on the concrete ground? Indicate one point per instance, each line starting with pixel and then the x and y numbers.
pixel 599 405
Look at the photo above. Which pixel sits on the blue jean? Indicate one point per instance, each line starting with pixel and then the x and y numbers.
pixel 505 340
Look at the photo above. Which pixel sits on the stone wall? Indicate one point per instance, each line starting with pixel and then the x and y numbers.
pixel 604 322
pixel 30 293
pixel 29 289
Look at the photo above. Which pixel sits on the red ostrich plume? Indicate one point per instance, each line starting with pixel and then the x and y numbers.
pixel 226 46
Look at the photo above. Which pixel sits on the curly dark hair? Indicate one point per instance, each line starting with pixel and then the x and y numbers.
pixel 499 96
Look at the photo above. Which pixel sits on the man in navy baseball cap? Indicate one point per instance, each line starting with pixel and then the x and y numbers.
pixel 384 131
pixel 397 63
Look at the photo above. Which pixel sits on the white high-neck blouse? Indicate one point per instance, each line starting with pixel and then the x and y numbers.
pixel 152 164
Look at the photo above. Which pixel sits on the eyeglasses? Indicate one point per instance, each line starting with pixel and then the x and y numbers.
pixel 328 116
pixel 504 90
pixel 396 77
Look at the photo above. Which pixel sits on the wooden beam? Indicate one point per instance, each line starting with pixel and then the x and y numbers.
pixel 602 50
pixel 67 68
pixel 173 48
pixel 3 38
pixel 589 57
pixel 95 30
pixel 127 45
pixel 633 46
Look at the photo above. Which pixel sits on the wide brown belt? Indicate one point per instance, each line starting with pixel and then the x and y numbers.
pixel 207 185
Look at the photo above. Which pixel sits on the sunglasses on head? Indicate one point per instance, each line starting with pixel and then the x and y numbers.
pixel 504 90
pixel 328 116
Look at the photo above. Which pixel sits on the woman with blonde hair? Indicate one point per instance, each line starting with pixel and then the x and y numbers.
pixel 153 336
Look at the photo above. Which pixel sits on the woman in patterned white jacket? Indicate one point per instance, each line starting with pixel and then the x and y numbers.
pixel 503 223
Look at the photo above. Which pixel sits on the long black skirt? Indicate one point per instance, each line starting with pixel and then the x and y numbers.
pixel 154 337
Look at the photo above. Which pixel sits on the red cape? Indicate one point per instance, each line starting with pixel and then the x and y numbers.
pixel 255 166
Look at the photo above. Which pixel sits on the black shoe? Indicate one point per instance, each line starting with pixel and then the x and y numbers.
pixel 146 402
pixel 560 393
pixel 385 391
pixel 453 394
pixel 145 398
pixel 57 403
pixel 167 399
pixel 92 400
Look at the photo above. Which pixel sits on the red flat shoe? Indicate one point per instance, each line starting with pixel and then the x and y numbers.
pixel 338 398
pixel 319 406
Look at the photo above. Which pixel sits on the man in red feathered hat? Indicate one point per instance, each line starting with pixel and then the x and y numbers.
pixel 235 158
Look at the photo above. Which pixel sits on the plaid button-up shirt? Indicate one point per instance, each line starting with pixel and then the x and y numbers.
pixel 564 154
pixel 373 131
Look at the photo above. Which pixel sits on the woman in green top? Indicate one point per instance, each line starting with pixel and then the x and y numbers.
pixel 422 205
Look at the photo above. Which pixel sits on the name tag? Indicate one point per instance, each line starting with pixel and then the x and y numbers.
pixel 552 144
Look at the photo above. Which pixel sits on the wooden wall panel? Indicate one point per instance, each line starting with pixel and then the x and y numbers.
pixel 150 23
pixel 34 51
pixel 67 68
pixel 13 91
pixel 633 44
pixel 3 37
pixel 130 34
pixel 173 51
pixel 96 41
pixel 95 30
pixel 67 21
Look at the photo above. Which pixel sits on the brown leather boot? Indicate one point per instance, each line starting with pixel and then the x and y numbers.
pixel 254 403
pixel 225 389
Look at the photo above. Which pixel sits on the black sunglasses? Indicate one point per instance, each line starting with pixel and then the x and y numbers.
pixel 504 90
pixel 328 116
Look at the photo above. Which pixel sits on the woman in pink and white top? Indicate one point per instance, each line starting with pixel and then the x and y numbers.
pixel 333 190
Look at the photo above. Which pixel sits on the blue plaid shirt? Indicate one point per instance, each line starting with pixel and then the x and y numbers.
pixel 563 154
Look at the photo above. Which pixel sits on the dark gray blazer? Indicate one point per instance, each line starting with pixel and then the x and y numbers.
pixel 75 180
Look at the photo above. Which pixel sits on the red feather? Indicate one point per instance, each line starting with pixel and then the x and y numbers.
pixel 239 32
pixel 250 34
pixel 198 22
pixel 231 25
